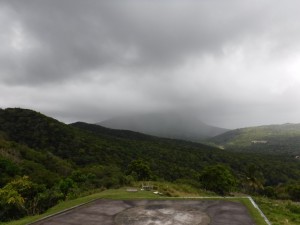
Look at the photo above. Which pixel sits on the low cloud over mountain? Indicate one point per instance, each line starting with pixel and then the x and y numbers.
pixel 170 125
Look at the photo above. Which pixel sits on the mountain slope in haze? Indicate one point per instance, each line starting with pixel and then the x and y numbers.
pixel 275 139
pixel 168 125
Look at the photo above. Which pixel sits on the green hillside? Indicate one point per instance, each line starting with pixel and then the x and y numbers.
pixel 274 139
pixel 44 161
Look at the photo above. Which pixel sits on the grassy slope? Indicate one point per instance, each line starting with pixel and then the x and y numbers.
pixel 281 139
pixel 280 212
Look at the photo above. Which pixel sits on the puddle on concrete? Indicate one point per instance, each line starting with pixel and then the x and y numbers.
pixel 160 214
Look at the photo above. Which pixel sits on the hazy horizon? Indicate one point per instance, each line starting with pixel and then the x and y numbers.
pixel 231 64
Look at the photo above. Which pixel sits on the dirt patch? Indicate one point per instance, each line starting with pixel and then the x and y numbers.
pixel 152 212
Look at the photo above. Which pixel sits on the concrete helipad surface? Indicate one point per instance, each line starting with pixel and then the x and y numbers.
pixel 153 212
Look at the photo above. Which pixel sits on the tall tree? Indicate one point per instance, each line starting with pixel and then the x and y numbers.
pixel 218 178
pixel 139 169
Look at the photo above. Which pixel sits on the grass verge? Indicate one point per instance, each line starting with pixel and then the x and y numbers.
pixel 280 212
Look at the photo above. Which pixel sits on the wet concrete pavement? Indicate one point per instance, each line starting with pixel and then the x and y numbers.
pixel 154 212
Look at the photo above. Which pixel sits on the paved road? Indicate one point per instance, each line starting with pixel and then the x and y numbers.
pixel 154 212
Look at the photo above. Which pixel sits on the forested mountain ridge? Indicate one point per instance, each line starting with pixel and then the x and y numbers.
pixel 271 139
pixel 81 144
pixel 100 130
pixel 60 161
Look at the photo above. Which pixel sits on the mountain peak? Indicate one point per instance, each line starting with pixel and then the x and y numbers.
pixel 169 125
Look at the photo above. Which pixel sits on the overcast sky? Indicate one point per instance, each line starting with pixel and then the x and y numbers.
pixel 232 63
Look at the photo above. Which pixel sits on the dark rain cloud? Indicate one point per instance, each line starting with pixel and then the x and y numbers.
pixel 220 59
pixel 70 38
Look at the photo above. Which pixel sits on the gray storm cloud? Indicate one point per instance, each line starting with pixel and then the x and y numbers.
pixel 233 63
